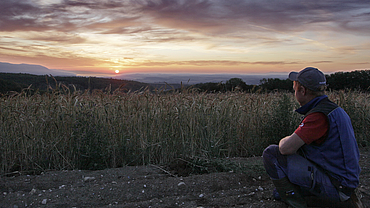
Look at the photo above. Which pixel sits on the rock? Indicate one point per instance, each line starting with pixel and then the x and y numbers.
pixel 181 184
pixel 251 194
pixel 44 201
pixel 88 179
pixel 32 191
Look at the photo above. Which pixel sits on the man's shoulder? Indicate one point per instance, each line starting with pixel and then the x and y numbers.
pixel 324 106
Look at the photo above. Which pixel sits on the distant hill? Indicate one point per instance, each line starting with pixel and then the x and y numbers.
pixel 32 69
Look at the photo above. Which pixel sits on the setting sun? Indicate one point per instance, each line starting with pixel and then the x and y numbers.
pixel 117 71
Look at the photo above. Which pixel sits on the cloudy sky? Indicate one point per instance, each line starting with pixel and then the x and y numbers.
pixel 98 37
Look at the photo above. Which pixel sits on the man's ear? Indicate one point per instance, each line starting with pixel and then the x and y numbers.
pixel 302 90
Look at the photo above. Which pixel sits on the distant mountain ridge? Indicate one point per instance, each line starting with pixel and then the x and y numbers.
pixel 31 69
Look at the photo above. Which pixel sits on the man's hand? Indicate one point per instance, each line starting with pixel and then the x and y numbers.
pixel 290 144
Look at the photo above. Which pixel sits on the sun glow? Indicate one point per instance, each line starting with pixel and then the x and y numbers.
pixel 117 71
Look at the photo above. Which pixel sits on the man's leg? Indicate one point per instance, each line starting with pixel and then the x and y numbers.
pixel 289 192
pixel 299 171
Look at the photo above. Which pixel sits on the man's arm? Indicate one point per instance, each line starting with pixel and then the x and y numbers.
pixel 290 144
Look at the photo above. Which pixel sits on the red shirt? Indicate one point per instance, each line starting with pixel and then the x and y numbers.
pixel 313 128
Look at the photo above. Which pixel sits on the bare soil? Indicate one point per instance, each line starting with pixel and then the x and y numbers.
pixel 151 186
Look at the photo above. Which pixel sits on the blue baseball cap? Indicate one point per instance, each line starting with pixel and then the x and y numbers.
pixel 310 77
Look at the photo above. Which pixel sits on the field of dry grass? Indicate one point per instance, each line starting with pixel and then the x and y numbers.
pixel 95 130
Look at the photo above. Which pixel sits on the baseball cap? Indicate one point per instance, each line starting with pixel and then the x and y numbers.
pixel 310 77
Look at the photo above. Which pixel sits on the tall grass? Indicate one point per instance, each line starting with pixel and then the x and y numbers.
pixel 357 106
pixel 74 130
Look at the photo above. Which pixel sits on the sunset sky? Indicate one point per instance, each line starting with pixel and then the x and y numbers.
pixel 98 37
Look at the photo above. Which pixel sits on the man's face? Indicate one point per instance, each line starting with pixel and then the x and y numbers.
pixel 299 92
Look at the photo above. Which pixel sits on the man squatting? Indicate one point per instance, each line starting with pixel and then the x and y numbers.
pixel 318 165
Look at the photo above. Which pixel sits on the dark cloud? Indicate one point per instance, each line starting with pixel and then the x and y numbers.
pixel 200 16
pixel 94 4
pixel 288 16
pixel 16 14
pixel 203 16
pixel 190 10
pixel 219 17
pixel 21 15
pixel 185 9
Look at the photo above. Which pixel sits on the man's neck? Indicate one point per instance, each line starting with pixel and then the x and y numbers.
pixel 310 104
pixel 307 99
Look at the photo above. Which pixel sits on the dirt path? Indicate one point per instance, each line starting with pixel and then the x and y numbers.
pixel 150 186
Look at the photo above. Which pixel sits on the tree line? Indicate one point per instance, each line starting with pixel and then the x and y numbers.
pixel 354 80
pixel 42 83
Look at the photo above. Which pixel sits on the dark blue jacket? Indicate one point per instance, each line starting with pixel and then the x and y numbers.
pixel 338 155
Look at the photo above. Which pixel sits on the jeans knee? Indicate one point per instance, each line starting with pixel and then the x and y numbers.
pixel 272 153
pixel 269 156
pixel 271 150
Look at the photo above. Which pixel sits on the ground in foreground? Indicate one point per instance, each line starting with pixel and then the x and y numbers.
pixel 151 186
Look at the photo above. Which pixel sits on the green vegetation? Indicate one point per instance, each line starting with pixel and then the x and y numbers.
pixel 6 86
pixel 355 80
pixel 16 82
pixel 65 129
pixel 359 80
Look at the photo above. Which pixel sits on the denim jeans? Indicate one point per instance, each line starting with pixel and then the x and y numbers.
pixel 300 171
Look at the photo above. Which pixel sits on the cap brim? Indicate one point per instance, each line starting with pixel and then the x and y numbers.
pixel 293 76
